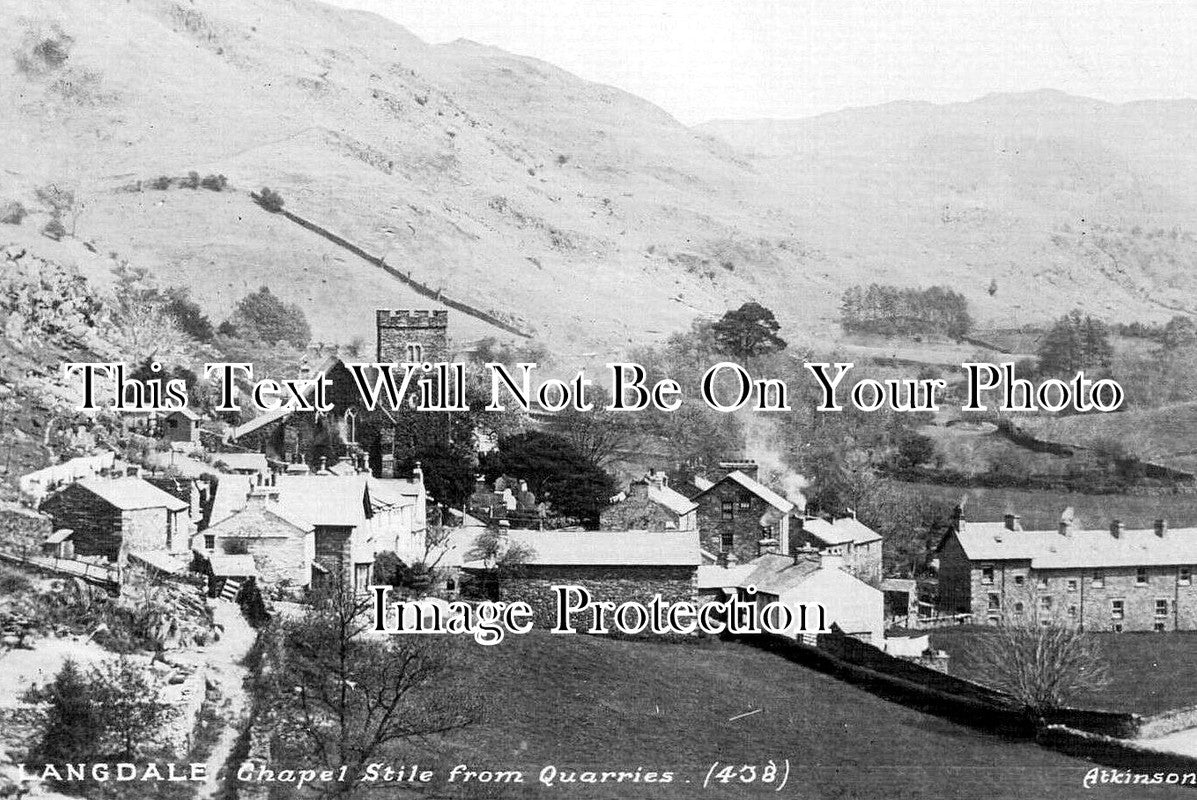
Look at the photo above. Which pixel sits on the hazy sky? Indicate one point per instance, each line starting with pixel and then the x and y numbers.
pixel 708 59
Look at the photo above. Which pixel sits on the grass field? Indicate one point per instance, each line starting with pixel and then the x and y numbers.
pixel 1166 435
pixel 589 703
pixel 1150 672
pixel 1041 510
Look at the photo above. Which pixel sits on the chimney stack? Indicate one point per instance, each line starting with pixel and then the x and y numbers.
pixel 1161 527
pixel 1013 522
pixel 417 473
pixel 1116 528
pixel 767 547
pixel 1066 522
pixel 958 516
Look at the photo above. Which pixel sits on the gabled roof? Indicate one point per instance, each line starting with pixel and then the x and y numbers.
pixel 186 412
pixel 1049 549
pixel 246 521
pixel 840 531
pixel 59 536
pixel 240 461
pixel 131 494
pixel 261 421
pixel 712 576
pixel 323 500
pixel 386 492
pixel 760 490
pixel 595 548
pixel 777 574
pixel 675 501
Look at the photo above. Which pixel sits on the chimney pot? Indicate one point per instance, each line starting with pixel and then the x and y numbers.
pixel 1013 522
pixel 1161 527
pixel 1116 528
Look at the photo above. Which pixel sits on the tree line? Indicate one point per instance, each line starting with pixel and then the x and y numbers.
pixel 892 311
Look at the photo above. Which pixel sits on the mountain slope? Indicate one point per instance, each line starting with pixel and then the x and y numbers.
pixel 575 211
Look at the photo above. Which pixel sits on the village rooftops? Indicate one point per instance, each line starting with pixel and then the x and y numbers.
pixel 241 462
pixel 1053 549
pixel 590 548
pixel 130 494
pixel 778 574
pixel 755 487
pixel 841 531
pixel 676 502
pixel 319 500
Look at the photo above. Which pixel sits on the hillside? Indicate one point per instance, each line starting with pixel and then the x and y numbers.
pixel 580 702
pixel 574 211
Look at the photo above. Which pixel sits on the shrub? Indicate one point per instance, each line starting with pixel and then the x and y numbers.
pixel 13 213
pixel 192 181
pixel 162 182
pixel 215 183
pixel 54 229
pixel 269 199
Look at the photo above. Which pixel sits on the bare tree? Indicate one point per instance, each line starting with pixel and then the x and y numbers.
pixel 1036 656
pixel 342 695
pixel 599 435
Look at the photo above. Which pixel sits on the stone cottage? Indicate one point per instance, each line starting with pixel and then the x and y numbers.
pixel 353 518
pixel 858 544
pixel 181 427
pixel 649 504
pixel 282 545
pixel 736 512
pixel 111 517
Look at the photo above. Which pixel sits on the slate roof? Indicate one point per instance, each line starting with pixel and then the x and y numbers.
pixel 240 461
pixel 324 500
pixel 186 412
pixel 1049 549
pixel 597 548
pixel 160 561
pixel 778 574
pixel 130 494
pixel 841 531
pixel 675 501
pixel 760 490
pixel 244 522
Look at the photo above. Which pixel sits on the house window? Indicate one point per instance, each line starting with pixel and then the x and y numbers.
pixel 992 620
pixel 1184 576
pixel 1043 582
pixel 727 509
pixel 1141 576
pixel 361 577
pixel 1158 627
pixel 1072 611
pixel 1072 584
pixel 1019 580
pixel 1117 609
pixel 415 352
pixel 727 540
pixel 745 502
pixel 987 576
pixel 1045 603
pixel 1117 627
pixel 1161 607
pixel 1099 579
pixel 1018 608
pixel 209 541
pixel 995 602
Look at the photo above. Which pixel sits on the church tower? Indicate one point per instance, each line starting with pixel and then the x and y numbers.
pixel 419 335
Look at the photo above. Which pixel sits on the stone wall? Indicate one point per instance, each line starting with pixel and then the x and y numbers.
pixel 96 523
pixel 614 584
pixel 744 527
pixel 145 529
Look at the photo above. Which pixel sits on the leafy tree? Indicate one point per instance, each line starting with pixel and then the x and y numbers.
pixel 915 449
pixel 501 559
pixel 1075 342
pixel 74 722
pixel 269 199
pixel 13 213
pixel 555 471
pixel 132 706
pixel 748 331
pixel 263 317
pixel 1180 332
pixel 187 314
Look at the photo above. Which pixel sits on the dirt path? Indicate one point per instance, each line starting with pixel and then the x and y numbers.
pixel 223 660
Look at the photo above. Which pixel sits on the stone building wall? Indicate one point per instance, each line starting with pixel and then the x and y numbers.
pixel 614 584
pixel 638 513
pixel 96 523
pixel 744 526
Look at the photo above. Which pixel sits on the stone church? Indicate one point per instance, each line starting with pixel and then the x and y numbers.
pixel 351 437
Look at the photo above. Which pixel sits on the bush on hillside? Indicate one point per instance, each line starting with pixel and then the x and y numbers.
pixel 269 199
